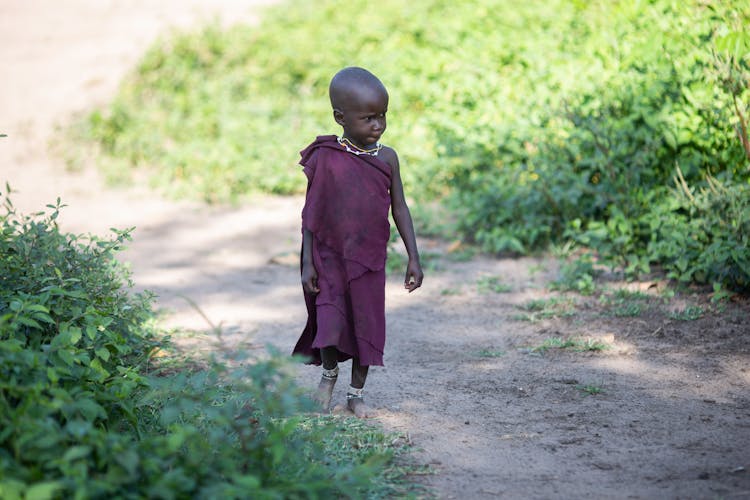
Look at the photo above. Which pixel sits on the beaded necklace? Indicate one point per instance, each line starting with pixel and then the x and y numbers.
pixel 353 148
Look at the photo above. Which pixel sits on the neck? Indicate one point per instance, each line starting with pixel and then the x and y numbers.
pixel 351 147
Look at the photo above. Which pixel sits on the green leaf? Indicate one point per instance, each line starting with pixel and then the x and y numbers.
pixel 103 353
pixel 76 452
pixel 129 460
pixel 66 356
pixel 61 340
pixel 90 332
pixel 97 365
pixel 670 139
pixel 90 409
pixel 37 308
pixel 11 489
pixel 43 491
pixel 78 428
pixel 29 322
pixel 248 483
pixel 75 334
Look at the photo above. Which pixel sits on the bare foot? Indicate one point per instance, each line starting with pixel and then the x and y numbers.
pixel 359 408
pixel 324 392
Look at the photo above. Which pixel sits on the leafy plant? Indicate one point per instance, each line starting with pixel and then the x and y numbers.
pixel 577 344
pixel 577 275
pixel 590 390
pixel 552 307
pixel 492 284
pixel 625 303
pixel 85 412
pixel 689 313
pixel 621 127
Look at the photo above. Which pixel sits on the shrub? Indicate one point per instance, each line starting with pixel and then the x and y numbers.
pixel 533 122
pixel 85 414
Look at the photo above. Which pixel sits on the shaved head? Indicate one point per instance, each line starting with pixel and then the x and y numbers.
pixel 350 84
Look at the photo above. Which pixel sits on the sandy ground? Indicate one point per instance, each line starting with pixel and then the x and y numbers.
pixel 670 417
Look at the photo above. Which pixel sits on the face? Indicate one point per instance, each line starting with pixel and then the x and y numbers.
pixel 363 117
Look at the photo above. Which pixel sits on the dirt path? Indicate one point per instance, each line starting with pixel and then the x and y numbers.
pixel 671 413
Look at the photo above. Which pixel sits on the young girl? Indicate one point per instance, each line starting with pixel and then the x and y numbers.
pixel 352 182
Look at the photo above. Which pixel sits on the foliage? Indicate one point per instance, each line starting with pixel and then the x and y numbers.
pixel 577 275
pixel 703 235
pixel 689 313
pixel 547 308
pixel 577 344
pixel 494 284
pixel 84 413
pixel 625 303
pixel 590 389
pixel 531 122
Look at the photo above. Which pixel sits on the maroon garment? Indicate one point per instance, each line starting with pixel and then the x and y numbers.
pixel 346 210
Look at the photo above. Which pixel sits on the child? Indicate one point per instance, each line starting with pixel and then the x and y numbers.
pixel 352 181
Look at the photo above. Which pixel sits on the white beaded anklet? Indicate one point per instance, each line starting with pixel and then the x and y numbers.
pixel 354 393
pixel 331 374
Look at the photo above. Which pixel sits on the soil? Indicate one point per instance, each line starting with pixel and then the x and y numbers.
pixel 664 412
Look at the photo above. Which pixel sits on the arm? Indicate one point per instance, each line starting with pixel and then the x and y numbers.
pixel 309 273
pixel 404 224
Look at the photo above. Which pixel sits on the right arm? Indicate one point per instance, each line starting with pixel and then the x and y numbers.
pixel 309 273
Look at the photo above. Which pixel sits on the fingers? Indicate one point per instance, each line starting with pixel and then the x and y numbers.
pixel 413 282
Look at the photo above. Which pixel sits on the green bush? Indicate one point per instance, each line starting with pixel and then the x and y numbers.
pixel 85 413
pixel 534 122
pixel 220 113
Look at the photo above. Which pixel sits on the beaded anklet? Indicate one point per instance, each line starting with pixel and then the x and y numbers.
pixel 331 374
pixel 354 393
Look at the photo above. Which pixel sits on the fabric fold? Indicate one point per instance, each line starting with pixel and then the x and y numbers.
pixel 346 210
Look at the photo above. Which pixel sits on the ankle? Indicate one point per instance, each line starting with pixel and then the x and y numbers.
pixel 332 374
pixel 354 393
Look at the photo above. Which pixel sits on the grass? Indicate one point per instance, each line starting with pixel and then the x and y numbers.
pixel 590 390
pixel 689 313
pixel 553 307
pixel 356 441
pixel 577 344
pixel 624 303
pixel 489 353
pixel 628 309
pixel 492 284
pixel 348 441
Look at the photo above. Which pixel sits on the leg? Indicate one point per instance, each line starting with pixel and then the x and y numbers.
pixel 329 356
pixel 354 398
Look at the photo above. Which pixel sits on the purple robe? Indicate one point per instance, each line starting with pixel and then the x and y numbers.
pixel 346 210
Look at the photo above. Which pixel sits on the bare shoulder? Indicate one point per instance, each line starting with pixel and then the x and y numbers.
pixel 388 155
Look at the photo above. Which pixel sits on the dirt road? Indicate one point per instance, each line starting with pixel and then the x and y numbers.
pixel 664 412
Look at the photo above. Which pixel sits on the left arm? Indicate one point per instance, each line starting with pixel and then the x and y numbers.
pixel 404 224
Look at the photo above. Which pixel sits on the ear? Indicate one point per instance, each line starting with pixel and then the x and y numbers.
pixel 338 115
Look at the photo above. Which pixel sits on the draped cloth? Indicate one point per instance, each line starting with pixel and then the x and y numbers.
pixel 346 210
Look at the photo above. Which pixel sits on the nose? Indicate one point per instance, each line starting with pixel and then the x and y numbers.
pixel 378 124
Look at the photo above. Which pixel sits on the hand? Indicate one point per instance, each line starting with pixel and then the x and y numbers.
pixel 310 279
pixel 414 275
